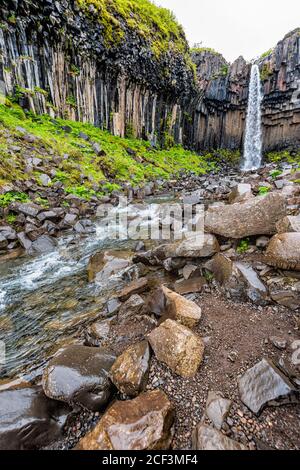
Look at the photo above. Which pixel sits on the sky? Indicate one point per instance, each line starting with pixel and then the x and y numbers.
pixel 236 27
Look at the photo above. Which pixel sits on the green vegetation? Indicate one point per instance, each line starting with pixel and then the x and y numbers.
pixel 155 24
pixel 12 196
pixel 266 54
pixel 263 190
pixel 275 173
pixel 284 156
pixel 243 246
pixel 199 50
pixel 265 72
pixel 79 167
pixel 11 218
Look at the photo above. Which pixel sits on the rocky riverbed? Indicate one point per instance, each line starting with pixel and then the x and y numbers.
pixel 194 347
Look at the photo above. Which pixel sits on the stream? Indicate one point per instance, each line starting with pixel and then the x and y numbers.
pixel 45 301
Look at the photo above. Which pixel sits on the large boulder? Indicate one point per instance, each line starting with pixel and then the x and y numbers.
pixel 130 371
pixel 238 279
pixel 241 193
pixel 144 423
pixel 264 384
pixel 178 347
pixel 195 245
pixel 102 265
pixel 284 251
pixel 181 309
pixel 207 438
pixel 79 375
pixel 29 420
pixel 257 216
pixel 289 224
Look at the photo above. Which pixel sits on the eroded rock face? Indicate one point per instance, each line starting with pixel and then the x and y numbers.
pixel 258 216
pixel 178 347
pixel 284 251
pixel 239 279
pixel 102 265
pixel 180 309
pixel 29 420
pixel 207 438
pixel 144 423
pixel 79 375
pixel 265 384
pixel 288 224
pixel 130 371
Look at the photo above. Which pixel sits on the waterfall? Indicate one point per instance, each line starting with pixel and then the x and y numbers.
pixel 253 137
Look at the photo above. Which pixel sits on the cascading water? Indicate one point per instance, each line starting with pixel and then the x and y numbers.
pixel 253 137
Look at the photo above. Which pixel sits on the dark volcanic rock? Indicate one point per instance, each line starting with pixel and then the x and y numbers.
pixel 29 420
pixel 79 375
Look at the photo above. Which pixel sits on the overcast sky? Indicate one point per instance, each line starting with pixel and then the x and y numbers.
pixel 236 27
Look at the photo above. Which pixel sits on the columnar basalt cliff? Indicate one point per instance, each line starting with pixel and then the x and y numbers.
pixel 68 59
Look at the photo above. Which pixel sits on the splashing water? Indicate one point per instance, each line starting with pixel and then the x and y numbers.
pixel 253 137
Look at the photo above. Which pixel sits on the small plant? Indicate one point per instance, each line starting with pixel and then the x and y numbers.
pixel 12 196
pixel 40 91
pixel 208 276
pixel 263 190
pixel 41 201
pixel 71 101
pixel 243 246
pixel 12 19
pixel 74 70
pixel 274 174
pixel 11 218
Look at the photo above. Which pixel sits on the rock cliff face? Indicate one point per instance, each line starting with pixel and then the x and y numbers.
pixel 56 57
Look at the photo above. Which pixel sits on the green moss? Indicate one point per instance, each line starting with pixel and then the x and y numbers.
pixel 266 54
pixel 80 167
pixel 284 156
pixel 263 190
pixel 155 24
pixel 275 173
pixel 199 50
pixel 243 246
pixel 266 72
pixel 11 218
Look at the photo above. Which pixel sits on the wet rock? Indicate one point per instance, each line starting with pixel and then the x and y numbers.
pixel 264 384
pixel 79 375
pixel 180 309
pixel 130 371
pixel 258 216
pixel 84 227
pixel 102 265
pixel 144 423
pixel 178 347
pixel 241 193
pixel 190 286
pixel 98 332
pixel 289 224
pixel 207 438
pixel 284 251
pixel 29 420
pixel 238 279
pixel 279 343
pixel 135 287
pixel 217 408
pixel 43 244
pixel 194 246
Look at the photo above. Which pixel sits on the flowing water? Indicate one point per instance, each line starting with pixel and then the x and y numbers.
pixel 253 136
pixel 46 301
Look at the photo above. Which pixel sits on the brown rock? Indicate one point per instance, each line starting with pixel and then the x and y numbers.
pixel 130 371
pixel 136 287
pixel 258 216
pixel 178 347
pixel 194 246
pixel 241 193
pixel 288 224
pixel 144 423
pixel 182 310
pixel 102 265
pixel 190 286
pixel 284 251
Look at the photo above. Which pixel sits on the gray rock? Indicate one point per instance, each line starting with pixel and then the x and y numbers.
pixel 3 242
pixel 262 242
pixel 70 219
pixel 29 209
pixel 45 179
pixel 241 193
pixel 207 438
pixel 279 343
pixel 79 375
pixel 24 240
pixel 264 384
pixel 46 215
pixel 217 408
pixel 113 306
pixel 43 244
